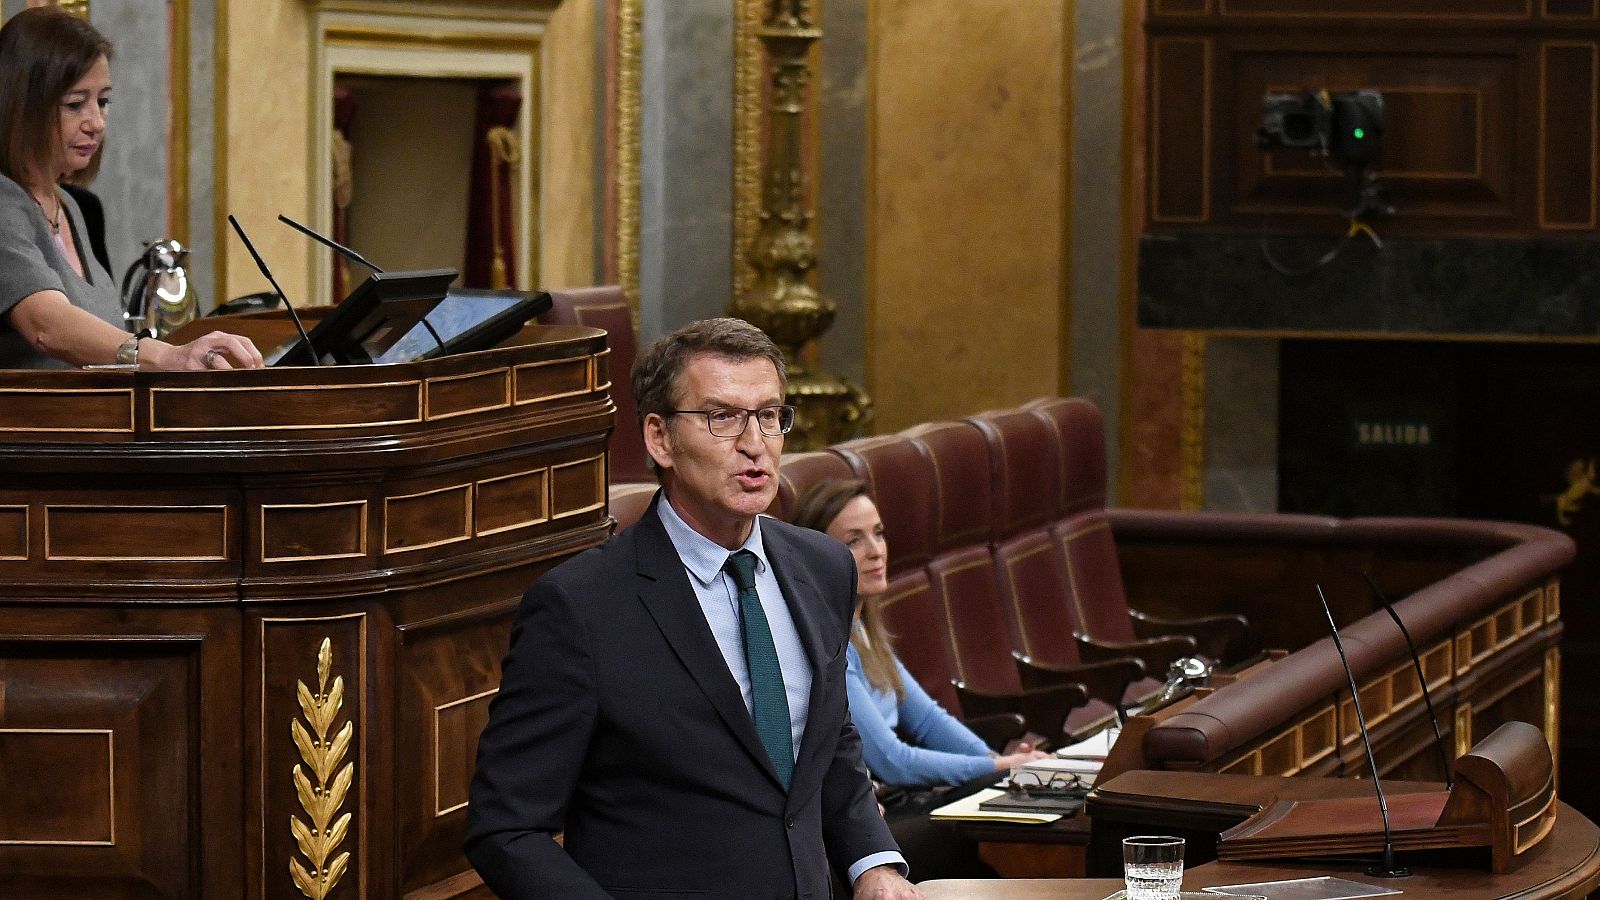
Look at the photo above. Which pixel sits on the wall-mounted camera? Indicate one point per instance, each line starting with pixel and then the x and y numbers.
pixel 1347 128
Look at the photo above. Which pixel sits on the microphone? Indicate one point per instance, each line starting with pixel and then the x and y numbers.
pixel 329 242
pixel 262 265
pixel 1387 868
pixel 354 257
pixel 1416 661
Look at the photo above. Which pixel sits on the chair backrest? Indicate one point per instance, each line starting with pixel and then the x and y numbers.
pixel 798 471
pixel 1093 573
pixel 917 626
pixel 963 496
pixel 629 500
pixel 1025 468
pixel 1078 431
pixel 900 476
pixel 606 307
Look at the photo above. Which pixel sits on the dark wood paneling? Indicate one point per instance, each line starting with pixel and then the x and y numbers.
pixel 1581 9
pixel 459 395
pixel 67 411
pixel 450 670
pixel 553 381
pixel 172 532
pixel 286 408
pixel 1490 118
pixel 1180 120
pixel 1422 9
pixel 151 661
pixel 1569 100
pixel 515 500
pixel 99 746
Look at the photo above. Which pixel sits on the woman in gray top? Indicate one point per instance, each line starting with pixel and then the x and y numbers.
pixel 58 305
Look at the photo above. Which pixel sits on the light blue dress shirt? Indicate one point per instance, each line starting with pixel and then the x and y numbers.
pixel 703 559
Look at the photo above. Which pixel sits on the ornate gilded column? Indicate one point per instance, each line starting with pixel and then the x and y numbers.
pixel 777 296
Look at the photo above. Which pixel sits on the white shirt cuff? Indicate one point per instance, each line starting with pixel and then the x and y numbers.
pixel 885 858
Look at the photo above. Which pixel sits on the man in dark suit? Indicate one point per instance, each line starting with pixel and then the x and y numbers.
pixel 674 700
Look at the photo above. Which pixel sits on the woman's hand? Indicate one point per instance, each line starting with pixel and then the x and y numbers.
pixel 213 350
pixel 1023 754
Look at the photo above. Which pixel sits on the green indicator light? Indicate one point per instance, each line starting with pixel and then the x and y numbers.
pixel 1360 133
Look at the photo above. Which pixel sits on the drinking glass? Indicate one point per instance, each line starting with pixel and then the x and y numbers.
pixel 1152 866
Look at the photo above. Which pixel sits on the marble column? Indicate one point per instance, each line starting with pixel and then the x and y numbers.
pixel 686 165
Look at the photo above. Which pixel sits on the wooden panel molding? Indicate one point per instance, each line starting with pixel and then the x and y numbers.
pixel 99 743
pixel 1569 101
pixel 1392 9
pixel 299 532
pixel 459 395
pixel 512 501
pixel 41 808
pixel 168 533
pixel 284 408
pixel 1571 9
pixel 13 532
pixel 1180 124
pixel 67 411
pixel 542 382
pixel 427 519
pixel 456 726
pixel 577 487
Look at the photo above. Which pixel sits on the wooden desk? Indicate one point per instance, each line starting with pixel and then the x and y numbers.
pixel 1567 864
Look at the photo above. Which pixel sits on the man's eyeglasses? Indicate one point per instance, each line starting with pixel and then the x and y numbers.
pixel 731 421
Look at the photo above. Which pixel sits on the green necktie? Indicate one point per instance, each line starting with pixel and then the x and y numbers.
pixel 766 677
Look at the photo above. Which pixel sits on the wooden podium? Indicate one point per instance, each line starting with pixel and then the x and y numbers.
pixel 250 622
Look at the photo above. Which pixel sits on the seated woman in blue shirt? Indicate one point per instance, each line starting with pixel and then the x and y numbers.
pixel 885 699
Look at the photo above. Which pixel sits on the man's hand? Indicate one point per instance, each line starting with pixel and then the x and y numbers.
pixel 885 883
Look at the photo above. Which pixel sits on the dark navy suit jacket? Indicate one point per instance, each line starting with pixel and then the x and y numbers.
pixel 618 723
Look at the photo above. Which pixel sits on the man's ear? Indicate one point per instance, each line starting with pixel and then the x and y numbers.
pixel 657 442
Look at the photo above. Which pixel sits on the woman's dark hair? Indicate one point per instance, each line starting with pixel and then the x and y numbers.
pixel 43 53
pixel 816 508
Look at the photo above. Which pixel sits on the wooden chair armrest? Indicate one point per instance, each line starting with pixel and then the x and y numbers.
pixel 1223 638
pixel 997 730
pixel 1044 710
pixel 1157 653
pixel 1106 680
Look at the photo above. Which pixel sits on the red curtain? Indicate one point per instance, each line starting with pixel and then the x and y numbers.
pixel 344 115
pixel 489 224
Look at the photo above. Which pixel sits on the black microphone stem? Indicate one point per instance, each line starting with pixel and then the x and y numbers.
pixel 262 265
pixel 330 243
pixel 1416 660
pixel 1387 869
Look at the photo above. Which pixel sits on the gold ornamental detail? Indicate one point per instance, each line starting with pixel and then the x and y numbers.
pixel 629 121
pixel 775 251
pixel 321 791
pixel 1580 485
pixel 79 8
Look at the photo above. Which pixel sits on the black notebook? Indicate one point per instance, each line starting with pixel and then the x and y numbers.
pixel 1032 803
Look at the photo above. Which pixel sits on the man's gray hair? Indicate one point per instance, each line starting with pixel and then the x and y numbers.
pixel 656 372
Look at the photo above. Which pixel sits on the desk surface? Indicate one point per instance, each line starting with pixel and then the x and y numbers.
pixel 1567 864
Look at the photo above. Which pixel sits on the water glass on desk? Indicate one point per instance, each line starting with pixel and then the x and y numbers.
pixel 1152 866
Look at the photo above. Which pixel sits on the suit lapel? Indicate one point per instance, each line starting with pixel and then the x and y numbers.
pixel 670 599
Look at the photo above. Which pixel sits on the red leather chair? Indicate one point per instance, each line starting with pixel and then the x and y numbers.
pixel 798 471
pixel 900 476
pixel 1033 583
pixel 962 579
pixel 606 307
pixel 1106 625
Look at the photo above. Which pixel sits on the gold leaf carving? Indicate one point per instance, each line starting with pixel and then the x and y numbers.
pixel 322 798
